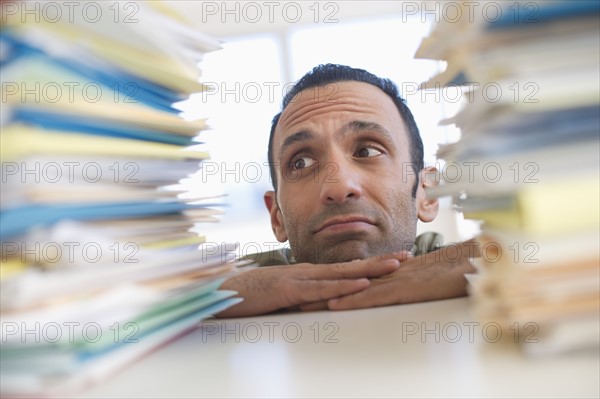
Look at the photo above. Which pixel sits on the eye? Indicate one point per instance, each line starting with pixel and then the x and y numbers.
pixel 301 163
pixel 365 152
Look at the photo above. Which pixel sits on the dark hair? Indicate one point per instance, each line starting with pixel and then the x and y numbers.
pixel 331 73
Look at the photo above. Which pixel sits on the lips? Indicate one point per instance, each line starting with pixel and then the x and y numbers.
pixel 343 223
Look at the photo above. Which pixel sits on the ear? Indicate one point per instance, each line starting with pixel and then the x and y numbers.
pixel 427 208
pixel 276 217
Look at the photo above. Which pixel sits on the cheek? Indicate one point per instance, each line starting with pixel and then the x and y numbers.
pixel 299 194
pixel 399 202
pixel 298 207
pixel 292 209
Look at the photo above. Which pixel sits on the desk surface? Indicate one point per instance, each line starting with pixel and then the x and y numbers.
pixel 434 349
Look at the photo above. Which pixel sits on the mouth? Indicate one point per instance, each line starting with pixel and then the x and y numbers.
pixel 344 224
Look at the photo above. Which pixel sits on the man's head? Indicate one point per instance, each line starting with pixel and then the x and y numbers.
pixel 346 163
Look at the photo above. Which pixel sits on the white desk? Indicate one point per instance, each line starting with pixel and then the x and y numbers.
pixel 369 359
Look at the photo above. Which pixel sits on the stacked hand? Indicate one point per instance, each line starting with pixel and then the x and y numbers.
pixel 383 280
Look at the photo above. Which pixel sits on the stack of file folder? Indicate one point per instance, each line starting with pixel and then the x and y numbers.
pixel 98 262
pixel 527 164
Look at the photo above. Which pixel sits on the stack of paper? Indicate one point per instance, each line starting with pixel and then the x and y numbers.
pixel 527 163
pixel 98 264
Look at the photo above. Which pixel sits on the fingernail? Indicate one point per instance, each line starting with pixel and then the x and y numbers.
pixel 363 281
pixel 404 254
pixel 391 262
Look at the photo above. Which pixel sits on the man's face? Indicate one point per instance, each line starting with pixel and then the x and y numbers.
pixel 343 166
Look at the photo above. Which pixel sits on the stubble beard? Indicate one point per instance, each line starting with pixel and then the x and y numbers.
pixel 393 235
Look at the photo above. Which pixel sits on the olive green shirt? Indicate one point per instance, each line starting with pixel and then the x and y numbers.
pixel 424 243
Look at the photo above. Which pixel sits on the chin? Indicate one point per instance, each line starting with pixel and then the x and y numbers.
pixel 346 252
pixel 335 252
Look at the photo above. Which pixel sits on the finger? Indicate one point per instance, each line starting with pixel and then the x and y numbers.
pixel 372 267
pixel 400 255
pixel 308 291
pixel 380 295
pixel 321 305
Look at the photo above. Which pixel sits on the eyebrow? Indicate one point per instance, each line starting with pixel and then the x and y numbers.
pixel 360 126
pixel 301 136
pixel 355 126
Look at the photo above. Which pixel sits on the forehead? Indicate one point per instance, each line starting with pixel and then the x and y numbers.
pixel 334 105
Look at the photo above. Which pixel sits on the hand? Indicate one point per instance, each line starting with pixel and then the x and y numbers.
pixel 270 288
pixel 434 276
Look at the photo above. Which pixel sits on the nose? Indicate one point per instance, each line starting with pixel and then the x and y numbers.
pixel 340 182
